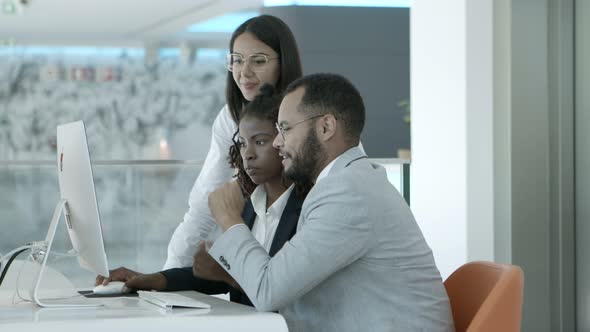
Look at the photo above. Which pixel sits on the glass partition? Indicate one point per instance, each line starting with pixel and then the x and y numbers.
pixel 398 173
pixel 140 202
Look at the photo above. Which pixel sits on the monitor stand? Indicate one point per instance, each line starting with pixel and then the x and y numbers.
pixel 62 206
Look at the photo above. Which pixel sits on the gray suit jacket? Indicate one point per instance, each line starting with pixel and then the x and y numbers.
pixel 358 261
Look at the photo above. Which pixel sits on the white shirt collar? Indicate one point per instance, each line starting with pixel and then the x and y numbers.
pixel 327 169
pixel 259 197
pixel 266 221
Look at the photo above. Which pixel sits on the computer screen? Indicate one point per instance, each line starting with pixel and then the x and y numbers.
pixel 76 185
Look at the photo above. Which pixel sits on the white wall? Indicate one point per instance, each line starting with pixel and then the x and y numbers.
pixel 480 130
pixel 582 131
pixel 452 150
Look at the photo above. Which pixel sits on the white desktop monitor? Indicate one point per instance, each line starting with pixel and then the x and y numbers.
pixel 76 185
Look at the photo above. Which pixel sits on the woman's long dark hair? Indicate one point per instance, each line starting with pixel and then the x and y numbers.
pixel 265 107
pixel 273 32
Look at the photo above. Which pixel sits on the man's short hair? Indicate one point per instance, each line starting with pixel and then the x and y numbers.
pixel 332 93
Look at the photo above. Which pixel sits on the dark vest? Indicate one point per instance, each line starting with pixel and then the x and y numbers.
pixel 285 231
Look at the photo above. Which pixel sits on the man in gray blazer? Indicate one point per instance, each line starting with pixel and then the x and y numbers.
pixel 358 261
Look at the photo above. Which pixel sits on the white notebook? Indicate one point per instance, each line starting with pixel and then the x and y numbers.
pixel 171 300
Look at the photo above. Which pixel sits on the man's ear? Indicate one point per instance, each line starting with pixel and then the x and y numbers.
pixel 328 127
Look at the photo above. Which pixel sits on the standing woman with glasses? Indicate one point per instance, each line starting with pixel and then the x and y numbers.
pixel 262 51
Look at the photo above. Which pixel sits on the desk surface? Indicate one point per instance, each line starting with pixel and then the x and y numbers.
pixel 133 314
pixel 121 313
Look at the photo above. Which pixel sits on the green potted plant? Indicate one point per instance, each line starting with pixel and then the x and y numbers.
pixel 404 106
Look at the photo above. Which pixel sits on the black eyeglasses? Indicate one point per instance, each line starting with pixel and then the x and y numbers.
pixel 282 129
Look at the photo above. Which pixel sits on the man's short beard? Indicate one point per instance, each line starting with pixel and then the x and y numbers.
pixel 308 160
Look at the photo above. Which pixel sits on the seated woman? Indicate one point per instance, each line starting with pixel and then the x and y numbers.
pixel 271 211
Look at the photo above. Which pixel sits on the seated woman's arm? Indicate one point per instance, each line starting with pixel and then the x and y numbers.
pixel 179 279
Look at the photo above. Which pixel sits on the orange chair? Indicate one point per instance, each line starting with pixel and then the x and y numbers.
pixel 486 296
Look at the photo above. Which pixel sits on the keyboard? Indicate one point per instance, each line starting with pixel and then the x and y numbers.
pixel 171 300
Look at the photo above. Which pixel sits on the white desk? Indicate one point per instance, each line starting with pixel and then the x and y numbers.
pixel 133 314
pixel 129 314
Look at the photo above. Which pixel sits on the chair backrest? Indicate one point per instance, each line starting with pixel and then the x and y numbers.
pixel 486 296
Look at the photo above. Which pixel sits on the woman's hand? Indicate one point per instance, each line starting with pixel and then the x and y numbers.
pixel 134 280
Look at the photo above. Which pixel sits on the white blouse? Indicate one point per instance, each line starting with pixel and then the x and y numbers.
pixel 267 220
pixel 198 224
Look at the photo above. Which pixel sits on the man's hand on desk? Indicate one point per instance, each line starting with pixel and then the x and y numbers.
pixel 205 267
pixel 134 280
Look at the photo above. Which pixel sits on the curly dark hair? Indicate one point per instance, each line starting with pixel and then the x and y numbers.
pixel 265 107
pixel 235 161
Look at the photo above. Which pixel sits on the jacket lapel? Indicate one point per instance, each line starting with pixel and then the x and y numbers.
pixel 248 214
pixel 288 223
pixel 348 157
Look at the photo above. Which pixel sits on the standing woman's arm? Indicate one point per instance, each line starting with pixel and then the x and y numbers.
pixel 198 222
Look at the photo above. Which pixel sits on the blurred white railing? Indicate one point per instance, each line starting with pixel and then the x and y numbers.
pixel 141 202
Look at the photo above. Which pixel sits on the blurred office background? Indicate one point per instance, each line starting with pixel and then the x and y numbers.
pixel 499 122
pixel 148 80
